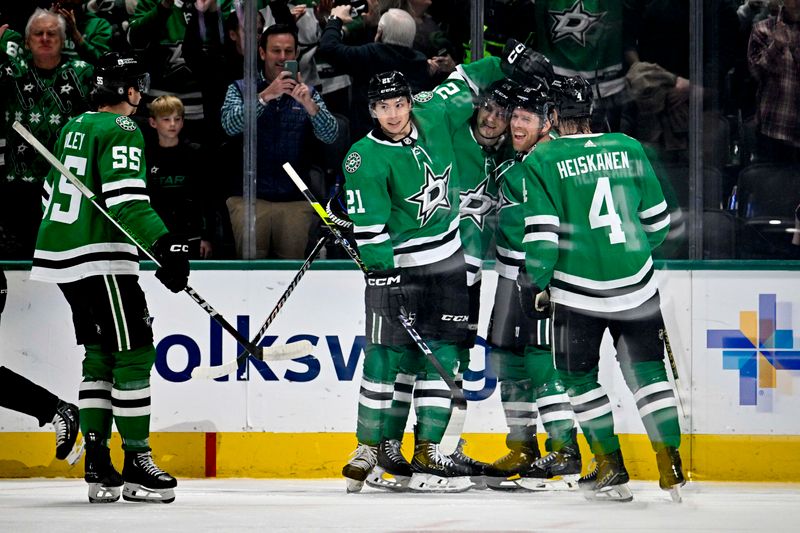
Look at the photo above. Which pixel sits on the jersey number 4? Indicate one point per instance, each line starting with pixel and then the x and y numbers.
pixel 602 197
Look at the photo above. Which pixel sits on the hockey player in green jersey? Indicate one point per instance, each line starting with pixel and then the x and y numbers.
pixel 593 214
pixel 529 384
pixel 405 215
pixel 96 267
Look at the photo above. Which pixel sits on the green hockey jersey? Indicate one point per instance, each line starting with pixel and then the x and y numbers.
pixel 593 213
pixel 106 152
pixel 474 165
pixel 400 194
pixel 583 37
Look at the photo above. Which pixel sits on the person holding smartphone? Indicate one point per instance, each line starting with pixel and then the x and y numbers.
pixel 290 115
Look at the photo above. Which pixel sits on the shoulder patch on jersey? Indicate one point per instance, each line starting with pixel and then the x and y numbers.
pixel 352 162
pixel 126 123
pixel 423 96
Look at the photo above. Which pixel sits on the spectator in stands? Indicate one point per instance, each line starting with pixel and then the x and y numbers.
pixel 391 51
pixel 430 38
pixel 290 115
pixel 177 178
pixel 158 30
pixel 88 36
pixel 774 59
pixel 117 13
pixel 42 89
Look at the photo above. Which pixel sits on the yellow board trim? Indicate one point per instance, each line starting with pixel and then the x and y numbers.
pixel 322 455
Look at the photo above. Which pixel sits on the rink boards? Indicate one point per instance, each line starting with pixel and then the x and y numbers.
pixel 734 334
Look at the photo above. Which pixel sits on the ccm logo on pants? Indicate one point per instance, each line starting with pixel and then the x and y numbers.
pixel 455 318
pixel 380 282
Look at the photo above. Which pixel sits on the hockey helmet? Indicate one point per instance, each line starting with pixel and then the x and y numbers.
pixel 533 98
pixel 500 92
pixel 575 98
pixel 386 85
pixel 116 72
pixel 525 65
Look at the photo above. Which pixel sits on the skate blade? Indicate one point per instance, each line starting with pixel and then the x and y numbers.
pixel 611 493
pixel 432 483
pixel 76 453
pixel 100 494
pixel 559 483
pixel 479 482
pixel 379 478
pixel 675 493
pixel 502 483
pixel 353 485
pixel 133 492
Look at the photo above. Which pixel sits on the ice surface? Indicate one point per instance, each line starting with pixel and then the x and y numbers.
pixel 60 505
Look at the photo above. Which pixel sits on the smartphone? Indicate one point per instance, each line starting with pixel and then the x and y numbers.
pixel 291 66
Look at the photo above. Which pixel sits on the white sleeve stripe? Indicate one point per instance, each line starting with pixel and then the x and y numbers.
pixel 652 211
pixel 541 236
pixel 124 184
pixel 376 228
pixel 661 224
pixel 550 220
pixel 374 240
pixel 126 198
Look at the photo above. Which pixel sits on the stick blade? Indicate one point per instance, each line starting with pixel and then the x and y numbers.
pixel 283 352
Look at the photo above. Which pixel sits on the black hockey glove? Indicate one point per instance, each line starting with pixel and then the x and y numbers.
pixel 534 301
pixel 336 208
pixel 173 254
pixel 385 295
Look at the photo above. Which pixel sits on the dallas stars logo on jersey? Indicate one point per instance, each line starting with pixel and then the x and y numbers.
pixel 573 23
pixel 476 203
pixel 432 195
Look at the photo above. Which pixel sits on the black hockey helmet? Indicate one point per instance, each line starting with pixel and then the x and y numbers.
pixel 534 98
pixel 115 72
pixel 500 92
pixel 388 85
pixel 575 98
pixel 525 65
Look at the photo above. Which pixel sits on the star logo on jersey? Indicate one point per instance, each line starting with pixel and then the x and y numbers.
pixel 18 116
pixel 352 162
pixel 433 194
pixel 574 23
pixel 9 72
pixel 55 119
pixel 423 96
pixel 81 64
pixel 589 144
pixel 503 201
pixel 28 87
pixel 476 203
pixel 21 148
pixel 66 89
pixel 35 118
pixel 154 170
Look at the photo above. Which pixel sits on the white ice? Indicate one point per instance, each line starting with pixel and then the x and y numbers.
pixel 60 505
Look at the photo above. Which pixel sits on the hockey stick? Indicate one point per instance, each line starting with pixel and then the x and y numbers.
pixel 673 367
pixel 459 401
pixel 213 372
pixel 257 351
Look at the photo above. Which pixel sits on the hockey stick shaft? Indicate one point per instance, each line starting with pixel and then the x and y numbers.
pixel 673 367
pixel 84 190
pixel 227 368
pixel 298 181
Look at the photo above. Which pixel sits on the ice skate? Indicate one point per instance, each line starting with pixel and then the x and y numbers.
pixel 146 482
pixel 436 472
pixel 361 462
pixel 555 471
pixel 392 472
pixel 608 481
pixel 476 467
pixel 503 473
pixel 67 427
pixel 103 479
pixel 670 471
